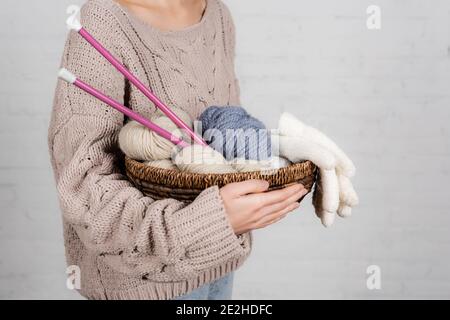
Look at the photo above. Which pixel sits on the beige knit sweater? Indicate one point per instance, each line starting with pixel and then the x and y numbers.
pixel 127 245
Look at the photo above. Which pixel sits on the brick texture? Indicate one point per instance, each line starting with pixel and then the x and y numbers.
pixel 383 95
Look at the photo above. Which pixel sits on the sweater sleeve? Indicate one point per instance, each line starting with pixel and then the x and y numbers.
pixel 135 233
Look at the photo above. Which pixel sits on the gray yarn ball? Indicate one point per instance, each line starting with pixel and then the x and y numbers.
pixel 235 133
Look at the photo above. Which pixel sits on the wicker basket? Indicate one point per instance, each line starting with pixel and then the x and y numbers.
pixel 160 183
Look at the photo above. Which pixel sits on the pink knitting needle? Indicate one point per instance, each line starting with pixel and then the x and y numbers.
pixel 71 78
pixel 74 24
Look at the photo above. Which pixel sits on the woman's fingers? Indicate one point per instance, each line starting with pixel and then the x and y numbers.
pixel 262 200
pixel 275 217
pixel 245 187
pixel 273 208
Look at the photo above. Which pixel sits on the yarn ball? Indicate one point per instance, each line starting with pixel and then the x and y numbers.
pixel 140 143
pixel 201 159
pixel 273 163
pixel 235 133
pixel 163 164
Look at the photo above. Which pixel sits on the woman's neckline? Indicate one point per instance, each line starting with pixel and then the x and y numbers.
pixel 188 29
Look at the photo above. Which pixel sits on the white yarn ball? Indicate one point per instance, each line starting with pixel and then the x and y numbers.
pixel 201 159
pixel 163 164
pixel 273 163
pixel 140 143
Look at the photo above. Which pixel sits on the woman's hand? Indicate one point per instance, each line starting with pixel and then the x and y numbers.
pixel 250 207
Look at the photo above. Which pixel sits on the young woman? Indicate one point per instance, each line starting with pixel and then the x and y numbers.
pixel 129 246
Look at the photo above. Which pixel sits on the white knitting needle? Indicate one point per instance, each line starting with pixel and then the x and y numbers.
pixel 71 78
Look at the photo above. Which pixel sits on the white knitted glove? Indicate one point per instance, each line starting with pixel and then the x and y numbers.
pixel 334 193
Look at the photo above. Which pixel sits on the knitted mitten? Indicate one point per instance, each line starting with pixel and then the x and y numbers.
pixel 334 193
pixel 290 126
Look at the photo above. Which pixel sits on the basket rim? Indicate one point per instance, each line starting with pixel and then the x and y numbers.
pixel 140 174
pixel 169 183
pixel 147 169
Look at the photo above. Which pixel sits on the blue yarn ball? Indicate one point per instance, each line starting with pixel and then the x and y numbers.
pixel 235 133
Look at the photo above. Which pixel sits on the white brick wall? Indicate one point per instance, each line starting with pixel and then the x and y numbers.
pixel 383 95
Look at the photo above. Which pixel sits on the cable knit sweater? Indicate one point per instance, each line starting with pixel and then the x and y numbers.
pixel 127 245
